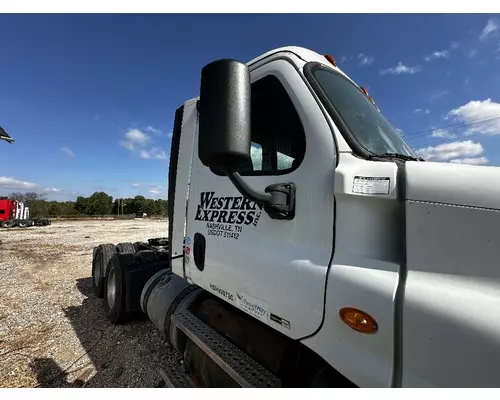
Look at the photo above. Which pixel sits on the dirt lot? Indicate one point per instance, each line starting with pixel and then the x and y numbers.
pixel 53 332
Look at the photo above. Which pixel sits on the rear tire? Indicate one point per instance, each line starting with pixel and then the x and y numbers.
pixel 114 291
pixel 128 248
pixel 6 224
pixel 100 266
pixel 22 224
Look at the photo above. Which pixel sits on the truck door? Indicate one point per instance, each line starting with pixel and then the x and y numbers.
pixel 274 270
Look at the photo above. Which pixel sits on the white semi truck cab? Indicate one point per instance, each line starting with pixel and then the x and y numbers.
pixel 307 238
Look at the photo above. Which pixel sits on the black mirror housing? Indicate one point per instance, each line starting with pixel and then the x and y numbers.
pixel 224 136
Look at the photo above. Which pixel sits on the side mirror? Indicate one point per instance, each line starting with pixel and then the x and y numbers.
pixel 224 134
pixel 224 130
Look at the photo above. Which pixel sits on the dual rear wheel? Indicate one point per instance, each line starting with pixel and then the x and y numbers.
pixel 111 266
pixel 108 278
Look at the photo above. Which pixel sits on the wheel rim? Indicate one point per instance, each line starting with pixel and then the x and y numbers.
pixel 97 270
pixel 111 288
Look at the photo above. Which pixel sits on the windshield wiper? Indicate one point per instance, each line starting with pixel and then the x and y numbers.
pixel 396 155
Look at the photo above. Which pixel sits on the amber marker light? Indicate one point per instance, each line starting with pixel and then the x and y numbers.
pixel 358 320
pixel 331 60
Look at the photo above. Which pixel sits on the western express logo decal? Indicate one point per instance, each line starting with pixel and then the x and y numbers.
pixel 226 216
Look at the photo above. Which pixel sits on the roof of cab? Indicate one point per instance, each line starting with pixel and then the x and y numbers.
pixel 305 54
pixel 302 52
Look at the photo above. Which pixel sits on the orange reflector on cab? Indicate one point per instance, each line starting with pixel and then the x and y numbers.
pixel 358 320
pixel 331 60
pixel 369 97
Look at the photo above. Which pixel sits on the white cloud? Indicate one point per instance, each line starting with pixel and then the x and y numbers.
pixel 401 69
pixel 156 189
pixel 67 151
pixel 443 133
pixel 344 59
pixel 17 185
pixel 451 151
pixel 128 145
pixel 137 136
pixel 454 45
pixel 478 116
pixel 142 144
pixel 170 134
pixel 437 54
pixel 153 130
pixel 136 185
pixel 472 161
pixel 491 26
pixel 154 153
pixel 365 60
pixel 421 110
pixel 11 183
pixel 439 94
pixel 472 53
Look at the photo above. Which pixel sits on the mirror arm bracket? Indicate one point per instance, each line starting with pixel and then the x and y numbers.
pixel 278 199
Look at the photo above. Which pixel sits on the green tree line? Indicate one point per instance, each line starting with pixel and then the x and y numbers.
pixel 99 203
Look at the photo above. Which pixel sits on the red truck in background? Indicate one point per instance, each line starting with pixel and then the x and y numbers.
pixel 15 213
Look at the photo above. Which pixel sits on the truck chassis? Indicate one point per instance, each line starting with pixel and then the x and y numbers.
pixel 220 345
pixel 24 223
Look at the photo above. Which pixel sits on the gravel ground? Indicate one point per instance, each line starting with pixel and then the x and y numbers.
pixel 53 331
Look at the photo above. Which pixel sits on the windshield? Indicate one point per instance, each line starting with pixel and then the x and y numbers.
pixel 363 120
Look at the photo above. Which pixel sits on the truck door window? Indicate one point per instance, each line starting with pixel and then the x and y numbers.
pixel 284 162
pixel 2 211
pixel 256 154
pixel 278 137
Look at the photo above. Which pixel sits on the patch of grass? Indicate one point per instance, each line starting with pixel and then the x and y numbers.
pixel 26 275
pixel 21 377
pixel 43 286
pixel 8 304
pixel 27 337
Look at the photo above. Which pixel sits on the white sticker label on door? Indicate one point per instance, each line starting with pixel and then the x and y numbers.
pixel 371 185
pixel 252 306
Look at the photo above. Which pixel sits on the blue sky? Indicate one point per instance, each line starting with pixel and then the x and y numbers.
pixel 90 99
